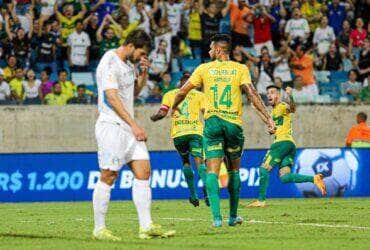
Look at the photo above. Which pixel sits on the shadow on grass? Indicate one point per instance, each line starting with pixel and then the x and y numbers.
pixel 41 237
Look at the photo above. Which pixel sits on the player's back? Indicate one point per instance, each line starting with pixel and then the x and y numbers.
pixel 113 73
pixel 188 122
pixel 222 81
pixel 283 121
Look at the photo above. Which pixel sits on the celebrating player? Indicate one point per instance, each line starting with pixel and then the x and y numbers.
pixel 120 139
pixel 283 149
pixel 223 82
pixel 187 134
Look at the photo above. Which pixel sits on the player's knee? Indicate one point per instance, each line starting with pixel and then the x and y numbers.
pixel 109 177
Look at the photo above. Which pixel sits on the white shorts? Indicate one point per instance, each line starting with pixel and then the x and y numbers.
pixel 117 146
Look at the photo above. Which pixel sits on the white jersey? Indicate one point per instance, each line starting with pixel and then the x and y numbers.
pixel 113 73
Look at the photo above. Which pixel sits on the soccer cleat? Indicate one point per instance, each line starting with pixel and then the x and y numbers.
pixel 217 223
pixel 195 202
pixel 257 203
pixel 155 231
pixel 233 221
pixel 105 234
pixel 206 199
pixel 318 180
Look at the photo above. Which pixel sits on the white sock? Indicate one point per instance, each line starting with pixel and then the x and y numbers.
pixel 142 197
pixel 101 197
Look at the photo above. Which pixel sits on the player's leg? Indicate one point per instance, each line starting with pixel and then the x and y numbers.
pixel 214 153
pixel 286 176
pixel 101 198
pixel 182 146
pixel 110 162
pixel 141 191
pixel 234 142
pixel 196 150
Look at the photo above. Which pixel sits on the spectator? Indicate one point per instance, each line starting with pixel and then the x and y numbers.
pixel 297 27
pixel 343 38
pixel 262 21
pixel 302 65
pixel 311 10
pixel 124 28
pixel 166 85
pixel 276 8
pixel 47 10
pixel 352 87
pixel 109 41
pixel 158 61
pixel 91 27
pixel 4 89
pixel 239 15
pixel 195 28
pixel 31 88
pixel 82 97
pixel 301 94
pixel 78 49
pixel 264 74
pixel 9 70
pixel 67 19
pixel 20 42
pixel 323 37
pixel 102 8
pixel 68 87
pixel 364 61
pixel 46 49
pixel 365 92
pixel 46 86
pixel 337 15
pixel 16 86
pixel 281 61
pixel 357 38
pixel 162 31
pixel 332 61
pixel 359 135
pixel 142 13
pixel 210 20
pixel 173 11
pixel 56 98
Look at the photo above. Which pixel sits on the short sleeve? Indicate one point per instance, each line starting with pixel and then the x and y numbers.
pixel 196 78
pixel 166 100
pixel 109 79
pixel 245 77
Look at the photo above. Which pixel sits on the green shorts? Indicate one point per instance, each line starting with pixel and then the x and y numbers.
pixel 222 138
pixel 189 144
pixel 281 154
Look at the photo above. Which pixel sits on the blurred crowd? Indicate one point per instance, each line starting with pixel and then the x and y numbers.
pixel 283 42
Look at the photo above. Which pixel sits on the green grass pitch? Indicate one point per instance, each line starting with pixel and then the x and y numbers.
pixel 285 224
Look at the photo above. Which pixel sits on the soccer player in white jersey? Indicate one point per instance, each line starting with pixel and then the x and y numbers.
pixel 119 137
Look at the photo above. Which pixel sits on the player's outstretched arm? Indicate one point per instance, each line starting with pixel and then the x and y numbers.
pixel 180 96
pixel 291 103
pixel 117 105
pixel 260 107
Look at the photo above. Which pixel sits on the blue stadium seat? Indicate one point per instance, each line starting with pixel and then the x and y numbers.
pixel 175 78
pixel 338 76
pixel 190 64
pixel 331 89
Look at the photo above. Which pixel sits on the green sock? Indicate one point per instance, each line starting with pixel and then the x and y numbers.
pixel 264 182
pixel 202 171
pixel 189 177
pixel 234 190
pixel 296 178
pixel 213 195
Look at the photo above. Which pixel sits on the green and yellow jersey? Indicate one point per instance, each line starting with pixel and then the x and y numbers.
pixel 68 25
pixel 188 122
pixel 283 121
pixel 221 82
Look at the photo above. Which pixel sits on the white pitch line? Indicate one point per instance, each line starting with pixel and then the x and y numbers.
pixel 284 223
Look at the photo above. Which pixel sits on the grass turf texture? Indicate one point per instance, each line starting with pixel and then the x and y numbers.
pixel 285 224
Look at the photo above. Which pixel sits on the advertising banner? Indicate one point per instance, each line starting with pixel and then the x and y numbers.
pixel 72 176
